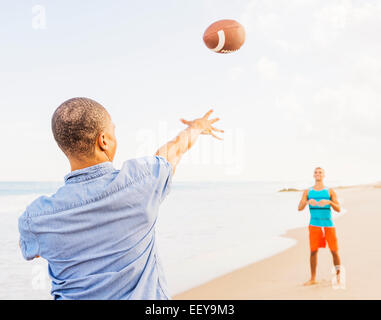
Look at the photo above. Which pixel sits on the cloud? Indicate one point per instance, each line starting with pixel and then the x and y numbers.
pixel 267 68
pixel 235 73
pixel 343 114
pixel 297 25
pixel 329 55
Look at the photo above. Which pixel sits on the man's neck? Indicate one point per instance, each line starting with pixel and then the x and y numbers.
pixel 77 164
pixel 319 185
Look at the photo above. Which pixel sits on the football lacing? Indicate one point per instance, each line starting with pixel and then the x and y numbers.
pixel 227 51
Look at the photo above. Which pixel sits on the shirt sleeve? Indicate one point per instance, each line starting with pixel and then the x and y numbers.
pixel 28 240
pixel 162 172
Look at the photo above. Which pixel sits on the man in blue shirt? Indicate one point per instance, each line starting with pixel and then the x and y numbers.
pixel 321 228
pixel 97 232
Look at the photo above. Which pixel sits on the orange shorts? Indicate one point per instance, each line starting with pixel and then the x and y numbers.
pixel 320 236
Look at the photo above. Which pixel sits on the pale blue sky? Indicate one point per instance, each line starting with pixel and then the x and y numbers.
pixel 303 91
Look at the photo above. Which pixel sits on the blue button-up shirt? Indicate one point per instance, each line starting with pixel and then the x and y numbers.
pixel 98 231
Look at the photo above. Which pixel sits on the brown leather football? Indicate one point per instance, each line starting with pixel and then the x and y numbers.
pixel 224 36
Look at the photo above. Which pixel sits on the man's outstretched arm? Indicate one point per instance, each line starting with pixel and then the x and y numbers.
pixel 176 148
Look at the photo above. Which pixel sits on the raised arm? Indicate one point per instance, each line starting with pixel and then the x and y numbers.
pixel 176 148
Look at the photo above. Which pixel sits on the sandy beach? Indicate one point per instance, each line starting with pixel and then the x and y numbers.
pixel 282 276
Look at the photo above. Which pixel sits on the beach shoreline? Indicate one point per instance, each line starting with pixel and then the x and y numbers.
pixel 281 276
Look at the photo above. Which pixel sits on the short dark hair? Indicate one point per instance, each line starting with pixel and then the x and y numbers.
pixel 76 124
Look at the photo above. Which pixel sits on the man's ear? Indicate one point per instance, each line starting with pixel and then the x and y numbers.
pixel 102 142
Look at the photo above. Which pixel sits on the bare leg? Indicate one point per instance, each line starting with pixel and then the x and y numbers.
pixel 313 264
pixel 337 264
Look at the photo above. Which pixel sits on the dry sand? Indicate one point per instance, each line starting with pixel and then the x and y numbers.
pixel 282 276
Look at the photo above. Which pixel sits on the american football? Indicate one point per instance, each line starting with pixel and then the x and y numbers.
pixel 224 36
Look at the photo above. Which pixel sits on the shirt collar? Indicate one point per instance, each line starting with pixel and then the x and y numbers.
pixel 89 173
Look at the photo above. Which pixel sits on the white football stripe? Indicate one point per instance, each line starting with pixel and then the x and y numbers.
pixel 221 41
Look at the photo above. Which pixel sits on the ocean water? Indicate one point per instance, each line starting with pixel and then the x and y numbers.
pixel 205 229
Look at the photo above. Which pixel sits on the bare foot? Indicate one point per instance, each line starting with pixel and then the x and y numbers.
pixel 311 282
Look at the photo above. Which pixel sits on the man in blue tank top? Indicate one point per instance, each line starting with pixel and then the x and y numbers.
pixel 97 232
pixel 321 228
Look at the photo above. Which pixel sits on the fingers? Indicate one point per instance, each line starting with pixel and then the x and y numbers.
pixel 218 130
pixel 206 116
pixel 214 120
pixel 213 135
pixel 185 121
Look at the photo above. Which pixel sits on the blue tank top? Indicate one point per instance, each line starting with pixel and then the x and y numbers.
pixel 320 216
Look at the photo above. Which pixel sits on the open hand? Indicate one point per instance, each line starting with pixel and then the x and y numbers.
pixel 204 124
